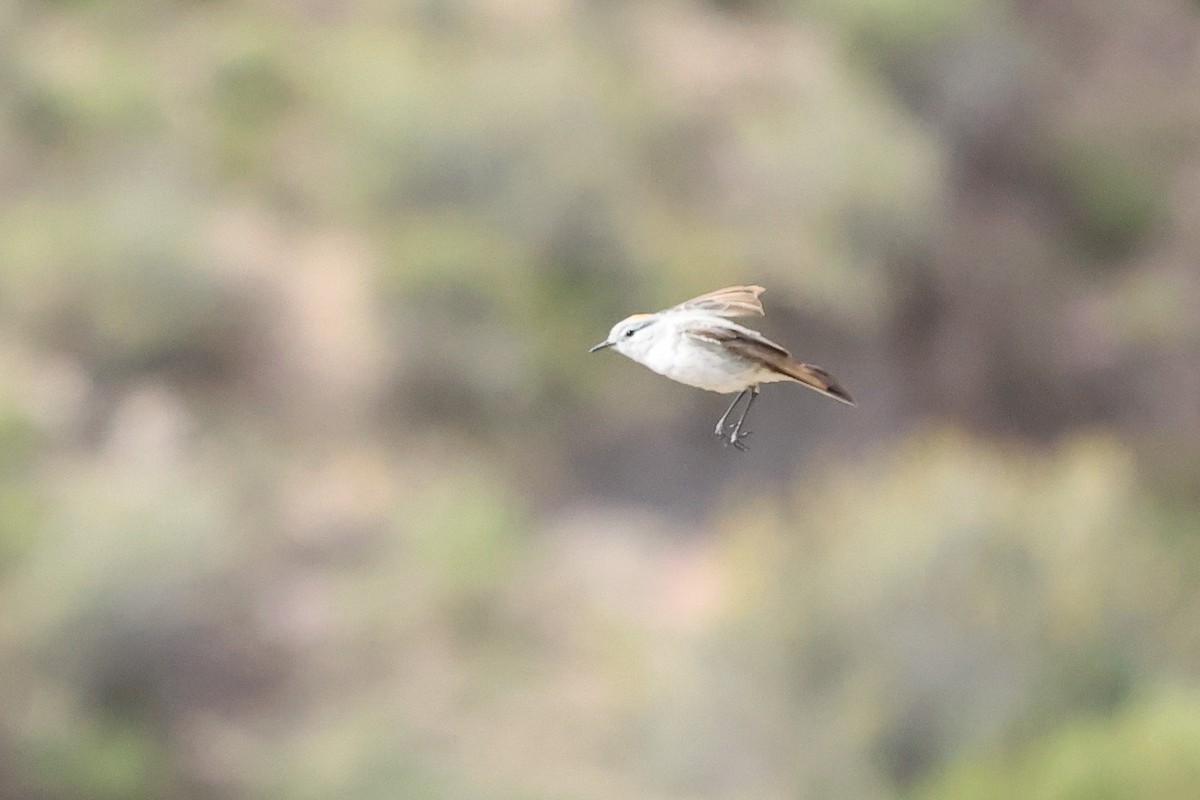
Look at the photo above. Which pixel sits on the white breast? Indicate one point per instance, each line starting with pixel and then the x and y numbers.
pixel 685 359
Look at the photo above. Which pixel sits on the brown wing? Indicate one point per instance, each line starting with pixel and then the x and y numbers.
pixel 753 346
pixel 732 301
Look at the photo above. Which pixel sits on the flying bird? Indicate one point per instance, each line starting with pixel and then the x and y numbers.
pixel 697 343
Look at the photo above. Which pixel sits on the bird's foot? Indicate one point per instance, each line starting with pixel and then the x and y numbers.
pixel 736 440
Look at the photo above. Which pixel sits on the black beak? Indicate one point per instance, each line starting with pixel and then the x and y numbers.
pixel 601 346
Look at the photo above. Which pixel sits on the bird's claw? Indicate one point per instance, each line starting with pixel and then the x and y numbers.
pixel 732 434
pixel 736 439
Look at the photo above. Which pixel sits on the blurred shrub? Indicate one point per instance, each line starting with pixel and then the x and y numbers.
pixel 888 26
pixel 409 223
pixel 1116 202
pixel 954 596
pixel 1150 749
pixel 22 504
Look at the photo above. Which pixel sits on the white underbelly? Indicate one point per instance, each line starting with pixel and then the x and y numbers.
pixel 706 367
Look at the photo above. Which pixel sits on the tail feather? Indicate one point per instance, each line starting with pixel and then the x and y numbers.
pixel 814 377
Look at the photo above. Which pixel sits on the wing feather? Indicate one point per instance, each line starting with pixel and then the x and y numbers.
pixel 753 346
pixel 732 301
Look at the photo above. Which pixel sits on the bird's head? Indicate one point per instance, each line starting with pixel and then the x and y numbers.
pixel 631 336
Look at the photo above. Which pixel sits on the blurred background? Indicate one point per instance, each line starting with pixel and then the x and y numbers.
pixel 309 488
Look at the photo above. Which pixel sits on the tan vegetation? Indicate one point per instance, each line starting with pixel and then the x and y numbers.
pixel 309 489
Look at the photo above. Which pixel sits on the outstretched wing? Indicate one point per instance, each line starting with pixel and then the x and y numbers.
pixel 732 301
pixel 753 346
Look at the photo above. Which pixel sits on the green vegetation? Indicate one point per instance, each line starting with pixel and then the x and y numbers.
pixel 309 489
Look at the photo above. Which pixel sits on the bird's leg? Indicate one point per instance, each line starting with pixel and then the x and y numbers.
pixel 720 429
pixel 736 436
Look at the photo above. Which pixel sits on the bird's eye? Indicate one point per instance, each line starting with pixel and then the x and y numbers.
pixel 630 332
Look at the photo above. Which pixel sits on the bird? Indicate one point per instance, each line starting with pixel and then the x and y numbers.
pixel 697 343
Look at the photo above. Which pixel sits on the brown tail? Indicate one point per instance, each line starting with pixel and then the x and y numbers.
pixel 813 376
pixel 753 346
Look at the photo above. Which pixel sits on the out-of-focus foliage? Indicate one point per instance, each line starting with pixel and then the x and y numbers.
pixel 956 598
pixel 309 489
pixel 1151 750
